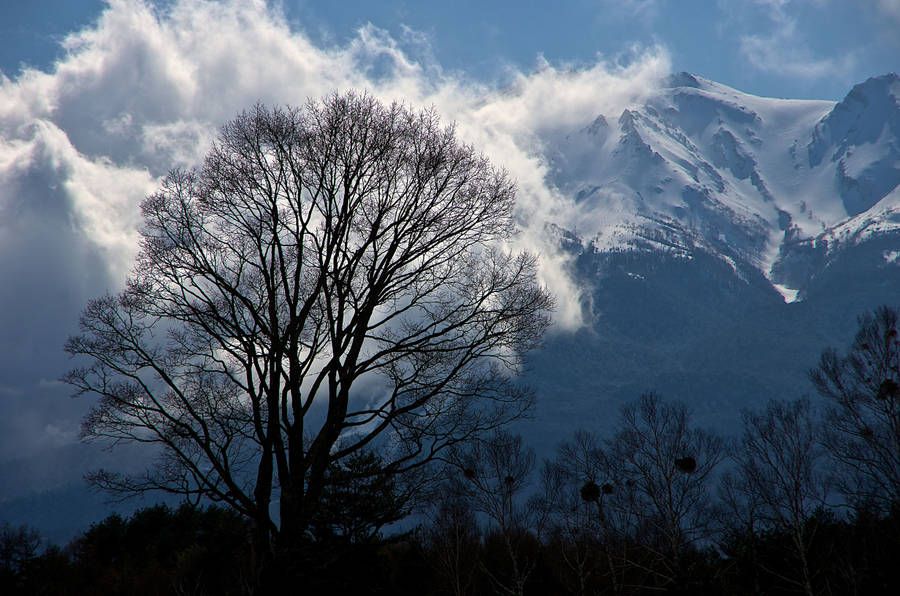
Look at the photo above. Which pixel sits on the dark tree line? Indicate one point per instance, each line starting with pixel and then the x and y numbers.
pixel 159 551
pixel 803 502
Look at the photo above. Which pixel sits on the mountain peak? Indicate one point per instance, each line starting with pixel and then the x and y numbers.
pixel 881 84
pixel 861 136
pixel 681 79
pixel 748 179
pixel 879 93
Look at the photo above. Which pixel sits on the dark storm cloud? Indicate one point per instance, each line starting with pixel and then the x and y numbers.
pixel 49 268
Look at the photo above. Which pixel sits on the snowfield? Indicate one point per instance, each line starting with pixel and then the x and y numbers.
pixel 749 179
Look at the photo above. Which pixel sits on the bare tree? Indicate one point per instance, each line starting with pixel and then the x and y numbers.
pixel 742 523
pixel 780 463
pixel 331 279
pixel 453 537
pixel 863 422
pixel 662 468
pixel 626 511
pixel 495 473
pixel 19 545
pixel 572 516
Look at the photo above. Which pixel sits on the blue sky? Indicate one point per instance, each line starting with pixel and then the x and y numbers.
pixel 809 49
pixel 98 100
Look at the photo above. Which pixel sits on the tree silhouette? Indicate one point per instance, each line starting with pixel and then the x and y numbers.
pixel 19 546
pixel 453 539
pixel 662 468
pixel 573 520
pixel 495 474
pixel 331 280
pixel 862 429
pixel 782 481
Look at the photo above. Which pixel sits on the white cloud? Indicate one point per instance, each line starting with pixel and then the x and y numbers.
pixel 784 50
pixel 781 55
pixel 889 8
pixel 145 89
pixel 631 8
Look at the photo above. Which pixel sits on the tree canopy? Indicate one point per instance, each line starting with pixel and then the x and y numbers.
pixel 331 280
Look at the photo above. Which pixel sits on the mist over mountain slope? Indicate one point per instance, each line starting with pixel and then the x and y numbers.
pixel 725 241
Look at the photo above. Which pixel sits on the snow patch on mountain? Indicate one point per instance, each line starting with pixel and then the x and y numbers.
pixel 763 184
pixel 789 295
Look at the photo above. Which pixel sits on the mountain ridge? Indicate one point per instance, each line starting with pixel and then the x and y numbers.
pixel 757 182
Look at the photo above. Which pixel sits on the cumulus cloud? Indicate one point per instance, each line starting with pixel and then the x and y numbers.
pixel 145 88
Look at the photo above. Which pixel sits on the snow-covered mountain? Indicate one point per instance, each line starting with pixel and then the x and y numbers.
pixel 772 185
pixel 726 241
